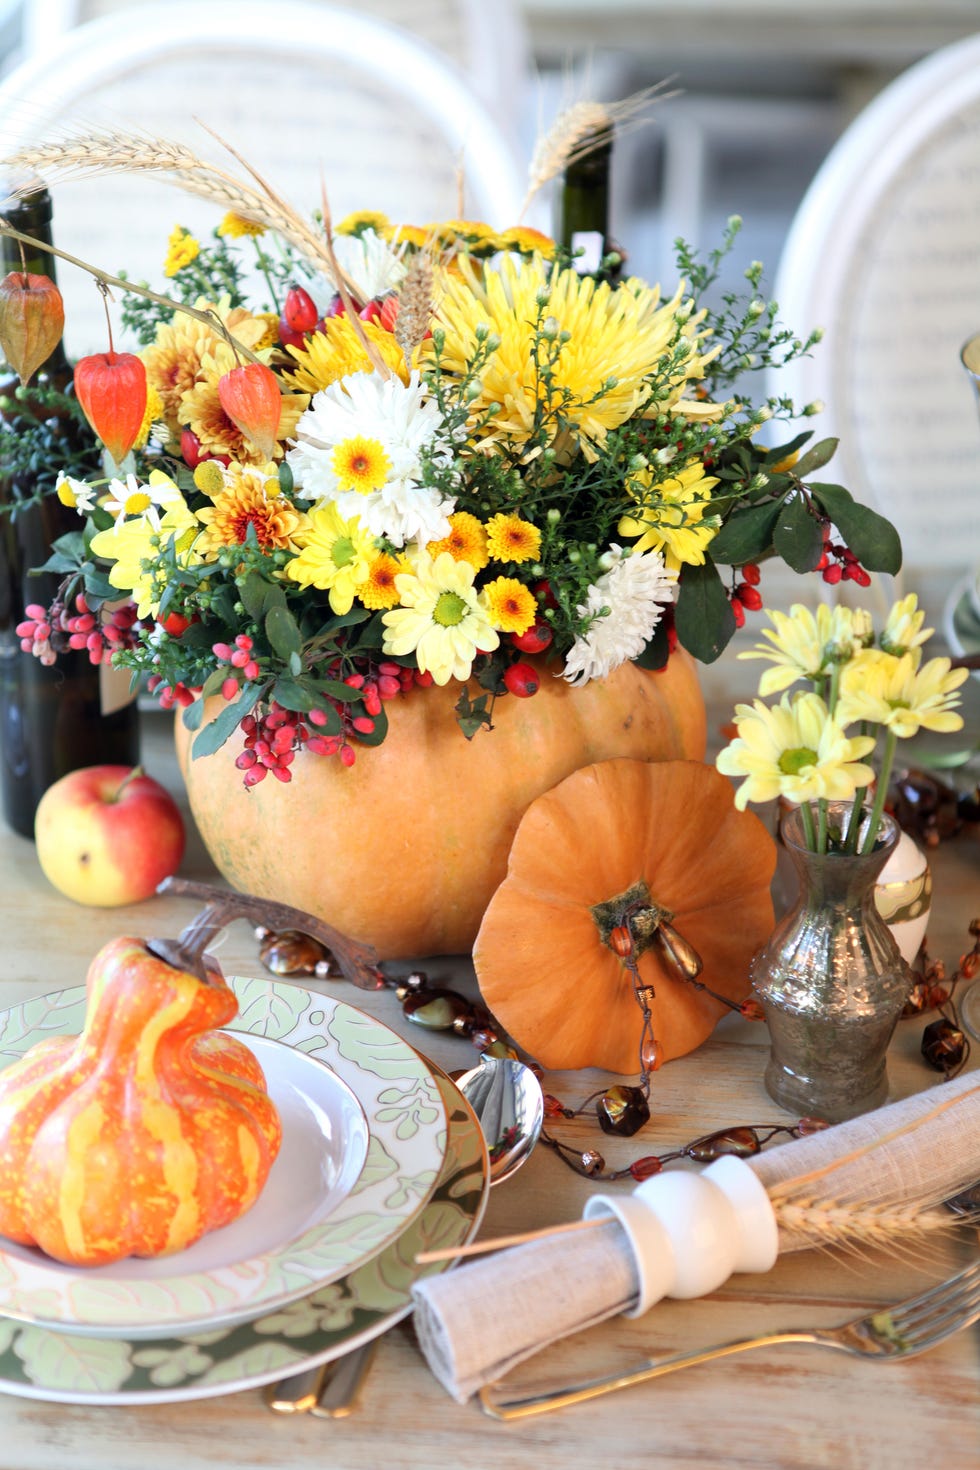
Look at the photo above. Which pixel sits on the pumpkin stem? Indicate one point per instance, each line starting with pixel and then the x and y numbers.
pixel 633 921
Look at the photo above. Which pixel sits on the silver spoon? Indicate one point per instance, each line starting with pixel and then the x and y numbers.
pixel 506 1097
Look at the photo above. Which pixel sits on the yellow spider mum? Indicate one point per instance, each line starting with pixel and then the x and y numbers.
pixel 201 411
pixel 337 351
pixel 335 556
pixel 467 541
pixel 235 226
pixel 599 378
pixel 250 497
pixel 510 605
pixel 672 517
pixel 360 464
pixel 182 248
pixel 511 539
pixel 379 590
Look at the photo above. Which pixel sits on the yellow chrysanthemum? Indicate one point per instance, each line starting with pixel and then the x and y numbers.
pixel 250 497
pixel 510 605
pixel 599 379
pixel 672 516
pixel 235 226
pixel 379 590
pixel 467 541
pixel 337 351
pixel 270 335
pixel 201 411
pixel 803 644
pixel 360 220
pixel 415 235
pixel 794 750
pixel 527 241
pixel 441 619
pixel 133 547
pixel 463 234
pixel 903 631
pixel 336 556
pixel 152 412
pixel 182 248
pixel 511 539
pixel 360 464
pixel 173 362
pixel 901 696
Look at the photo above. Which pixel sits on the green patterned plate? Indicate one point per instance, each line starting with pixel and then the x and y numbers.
pixel 284 1247
pixel 74 1369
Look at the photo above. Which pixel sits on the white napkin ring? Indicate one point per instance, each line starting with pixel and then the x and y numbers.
pixel 689 1232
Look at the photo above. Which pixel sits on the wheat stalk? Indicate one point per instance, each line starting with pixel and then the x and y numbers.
pixel 415 305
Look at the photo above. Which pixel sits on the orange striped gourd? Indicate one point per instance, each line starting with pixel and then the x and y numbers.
pixel 144 1132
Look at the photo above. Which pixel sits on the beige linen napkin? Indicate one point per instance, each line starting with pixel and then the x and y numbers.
pixel 476 1323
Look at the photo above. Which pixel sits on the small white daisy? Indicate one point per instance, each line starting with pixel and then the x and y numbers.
pixel 78 494
pixel 374 266
pixel 130 497
pixel 393 422
pixel 623 608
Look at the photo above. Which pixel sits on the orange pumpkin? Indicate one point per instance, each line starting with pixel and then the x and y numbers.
pixel 405 849
pixel 584 852
pixel 142 1133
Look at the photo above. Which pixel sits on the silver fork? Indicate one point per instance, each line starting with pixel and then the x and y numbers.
pixel 887 1335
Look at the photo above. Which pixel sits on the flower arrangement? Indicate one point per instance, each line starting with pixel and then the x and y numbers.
pixel 422 455
pixel 812 747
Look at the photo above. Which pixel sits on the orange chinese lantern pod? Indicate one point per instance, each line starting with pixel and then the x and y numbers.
pixel 111 387
pixel 251 398
pixel 32 319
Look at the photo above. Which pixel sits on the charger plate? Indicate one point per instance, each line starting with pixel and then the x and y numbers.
pixel 320 1214
pixel 38 1363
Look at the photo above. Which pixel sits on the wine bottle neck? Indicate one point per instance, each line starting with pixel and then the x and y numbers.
pixel 584 223
pixel 30 214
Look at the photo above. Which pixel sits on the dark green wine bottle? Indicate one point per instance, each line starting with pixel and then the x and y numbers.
pixel 53 719
pixel 583 226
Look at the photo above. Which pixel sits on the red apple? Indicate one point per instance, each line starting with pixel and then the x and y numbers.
pixel 107 835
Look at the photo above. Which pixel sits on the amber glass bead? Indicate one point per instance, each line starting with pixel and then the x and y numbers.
pixel 623 1111
pixel 651 1054
pixel 437 1010
pixel 943 1045
pixel 742 1142
pixel 806 1126
pixel 752 1010
pixel 645 1168
pixel 553 1107
pixel 290 952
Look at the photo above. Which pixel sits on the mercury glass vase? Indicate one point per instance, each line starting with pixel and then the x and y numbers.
pixel 831 980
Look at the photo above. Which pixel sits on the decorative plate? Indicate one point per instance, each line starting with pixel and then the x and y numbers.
pixel 961 618
pixel 285 1246
pixel 39 1363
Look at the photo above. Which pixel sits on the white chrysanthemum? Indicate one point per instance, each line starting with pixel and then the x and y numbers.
pixel 374 266
pixel 624 605
pixel 400 419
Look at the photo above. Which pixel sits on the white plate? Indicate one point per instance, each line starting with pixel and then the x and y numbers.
pixel 291 1242
pixel 40 1364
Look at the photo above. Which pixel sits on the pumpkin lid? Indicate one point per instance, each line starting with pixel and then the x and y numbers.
pixel 544 969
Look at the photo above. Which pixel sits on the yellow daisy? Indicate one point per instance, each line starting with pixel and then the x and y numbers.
pixel 361 464
pixel 901 696
pixel 406 235
pixel 903 631
pixel 360 220
pixel 803 644
pixel 249 497
pixel 511 539
pixel 379 590
pixel 794 750
pixel 236 225
pixel 182 248
pixel 616 340
pixel 510 605
pixel 672 518
pixel 337 351
pixel 467 541
pixel 527 241
pixel 441 619
pixel 133 547
pixel 335 556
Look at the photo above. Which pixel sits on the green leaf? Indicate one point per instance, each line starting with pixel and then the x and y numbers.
pixel 815 458
pixel 295 665
pixel 703 617
pixel 337 689
pixel 775 453
pixel 872 538
pixel 193 714
pixel 378 733
pixel 254 591
pixel 282 631
pixel 217 731
pixel 797 536
pixel 657 651
pixel 746 535
pixel 292 695
pixel 212 684
pixel 473 714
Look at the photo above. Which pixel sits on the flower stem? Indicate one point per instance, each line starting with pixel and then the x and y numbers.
pixel 887 760
pixel 806 816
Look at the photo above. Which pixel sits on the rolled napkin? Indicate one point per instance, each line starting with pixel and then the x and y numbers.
pixel 872 1179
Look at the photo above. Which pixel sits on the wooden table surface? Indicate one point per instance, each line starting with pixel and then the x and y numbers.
pixel 782 1407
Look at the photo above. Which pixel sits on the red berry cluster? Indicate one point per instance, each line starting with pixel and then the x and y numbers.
pixel 46 632
pixel 239 657
pixel 171 694
pixel 838 563
pixel 745 595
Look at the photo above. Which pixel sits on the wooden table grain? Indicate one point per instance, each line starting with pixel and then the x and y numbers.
pixel 786 1408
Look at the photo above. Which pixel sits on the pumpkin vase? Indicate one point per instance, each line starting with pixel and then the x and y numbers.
pixel 405 849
